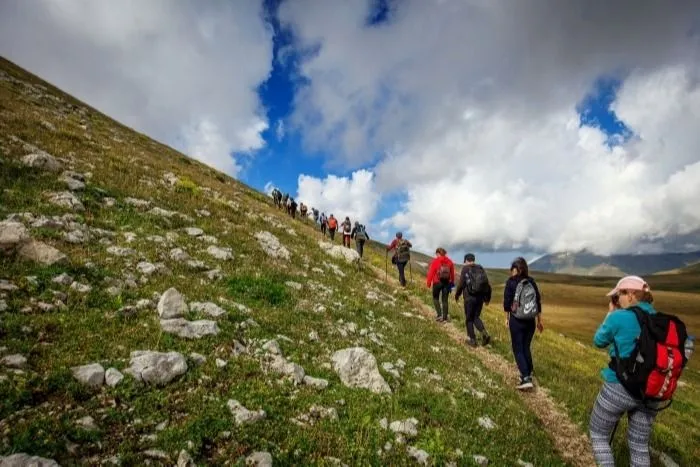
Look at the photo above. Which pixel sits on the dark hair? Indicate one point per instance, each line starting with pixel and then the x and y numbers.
pixel 469 257
pixel 520 265
pixel 441 251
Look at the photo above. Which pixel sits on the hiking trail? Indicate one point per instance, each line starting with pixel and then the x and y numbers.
pixel 571 444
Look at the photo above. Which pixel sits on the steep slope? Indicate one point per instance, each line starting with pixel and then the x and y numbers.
pixel 587 264
pixel 154 310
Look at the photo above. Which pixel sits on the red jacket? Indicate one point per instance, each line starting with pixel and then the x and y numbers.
pixel 432 276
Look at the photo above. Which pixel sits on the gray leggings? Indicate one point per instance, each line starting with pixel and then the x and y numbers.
pixel 612 403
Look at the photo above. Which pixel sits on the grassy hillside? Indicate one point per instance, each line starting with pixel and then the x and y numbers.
pixel 147 220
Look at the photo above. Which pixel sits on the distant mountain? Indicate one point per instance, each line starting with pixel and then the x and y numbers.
pixel 588 264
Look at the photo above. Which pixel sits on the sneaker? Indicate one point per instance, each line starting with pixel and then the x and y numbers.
pixel 438 318
pixel 525 383
pixel 445 319
pixel 486 339
pixel 471 343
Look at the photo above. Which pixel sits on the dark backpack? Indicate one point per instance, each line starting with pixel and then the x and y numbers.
pixel 444 272
pixel 525 301
pixel 477 280
pixel 650 374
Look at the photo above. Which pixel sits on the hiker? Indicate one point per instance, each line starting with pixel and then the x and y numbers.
pixel 314 211
pixel 303 210
pixel 332 226
pixel 277 197
pixel 441 278
pixel 401 256
pixel 285 202
pixel 293 208
pixel 630 306
pixel 289 205
pixel 474 282
pixel 347 231
pixel 522 304
pixel 359 233
pixel 324 223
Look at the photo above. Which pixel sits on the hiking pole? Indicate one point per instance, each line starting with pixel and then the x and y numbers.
pixel 410 270
pixel 386 265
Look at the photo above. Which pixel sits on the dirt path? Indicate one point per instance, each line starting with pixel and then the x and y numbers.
pixel 571 444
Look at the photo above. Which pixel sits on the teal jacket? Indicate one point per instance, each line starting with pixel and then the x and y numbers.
pixel 622 326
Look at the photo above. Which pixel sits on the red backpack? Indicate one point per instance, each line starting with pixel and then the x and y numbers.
pixel 651 372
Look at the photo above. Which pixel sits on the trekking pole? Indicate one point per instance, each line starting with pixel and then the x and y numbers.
pixel 410 270
pixel 386 265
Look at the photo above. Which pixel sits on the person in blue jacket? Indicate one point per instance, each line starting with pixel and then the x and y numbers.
pixel 613 401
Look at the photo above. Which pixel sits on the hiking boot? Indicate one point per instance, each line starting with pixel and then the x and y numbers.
pixel 485 339
pixel 445 319
pixel 438 318
pixel 471 343
pixel 525 383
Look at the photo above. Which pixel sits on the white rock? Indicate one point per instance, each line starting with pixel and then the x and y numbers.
pixel 113 377
pixel 272 347
pixel 271 245
pixel 42 160
pixel 80 288
pixel 214 274
pixel 7 286
pixel 75 237
pixel 185 460
pixel 92 375
pixel 141 203
pixel 198 358
pixel 189 329
pixel 146 268
pixel 178 254
pixel 242 415
pixel 193 231
pixel 259 459
pixel 14 361
pixel 313 336
pixel 220 253
pixel 25 460
pixel 171 304
pixel 12 235
pixel 42 253
pixel 75 181
pixel 3 305
pixel 294 285
pixel 481 461
pixel 357 368
pixel 120 251
pixel 87 423
pixel 209 308
pixel 208 239
pixel 406 427
pixel 419 455
pixel 522 463
pixel 66 199
pixel 319 383
pixel 220 363
pixel 337 251
pixel 486 422
pixel 157 367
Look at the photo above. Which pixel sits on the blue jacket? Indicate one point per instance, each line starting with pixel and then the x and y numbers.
pixel 622 326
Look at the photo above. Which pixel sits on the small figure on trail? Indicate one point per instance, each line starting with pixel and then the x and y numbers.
pixel 277 197
pixel 477 292
pixel 347 231
pixel 332 226
pixel 314 212
pixel 288 205
pixel 324 223
pixel 401 256
pixel 359 233
pixel 293 208
pixel 634 328
pixel 441 278
pixel 285 201
pixel 303 210
pixel 523 305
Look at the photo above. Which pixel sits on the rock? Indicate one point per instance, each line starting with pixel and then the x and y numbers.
pixel 220 363
pixel 80 288
pixel 281 365
pixel 129 237
pixel 220 253
pixel 198 358
pixel 14 361
pixel 156 454
pixel 242 415
pixel 272 347
pixel 87 423
pixel 66 199
pixel 161 212
pixel 272 246
pixel 202 213
pixel 42 253
pixel 146 268
pixel 7 286
pixel 214 274
pixel 406 427
pixel 293 285
pixel 92 375
pixel 522 463
pixel 171 304
pixel 185 460
pixel 12 235
pixel 313 336
pixel 113 377
pixel 74 180
pixel 42 160
pixel 259 459
pixel 481 461
pixel 337 251
pixel 140 203
pixel 318 383
pixel 157 368
pixel 419 455
pixel 3 305
pixel 25 460
pixel 121 251
pixel 209 308
pixel 178 254
pixel 189 329
pixel 486 422
pixel 193 231
pixel 357 368
pixel 75 237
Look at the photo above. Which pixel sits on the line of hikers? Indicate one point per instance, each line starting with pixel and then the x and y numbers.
pixel 648 349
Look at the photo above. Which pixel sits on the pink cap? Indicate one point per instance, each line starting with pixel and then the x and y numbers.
pixel 629 283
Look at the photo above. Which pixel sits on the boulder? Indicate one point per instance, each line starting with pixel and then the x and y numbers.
pixel 357 368
pixel 42 160
pixel 12 235
pixel 42 253
pixel 92 375
pixel 156 368
pixel 189 329
pixel 171 304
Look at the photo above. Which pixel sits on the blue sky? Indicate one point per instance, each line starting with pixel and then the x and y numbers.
pixel 283 159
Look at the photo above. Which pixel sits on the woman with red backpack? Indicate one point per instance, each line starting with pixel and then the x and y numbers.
pixel 441 278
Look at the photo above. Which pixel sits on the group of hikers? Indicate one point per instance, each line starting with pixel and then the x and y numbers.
pixel 648 349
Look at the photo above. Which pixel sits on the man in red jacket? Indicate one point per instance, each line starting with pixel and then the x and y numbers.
pixel 441 277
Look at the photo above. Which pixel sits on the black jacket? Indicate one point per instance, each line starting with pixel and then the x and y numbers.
pixel 462 287
pixel 509 293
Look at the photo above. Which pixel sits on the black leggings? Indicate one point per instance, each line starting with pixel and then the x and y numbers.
pixel 441 290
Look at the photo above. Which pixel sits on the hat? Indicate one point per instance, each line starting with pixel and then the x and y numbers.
pixel 469 257
pixel 629 283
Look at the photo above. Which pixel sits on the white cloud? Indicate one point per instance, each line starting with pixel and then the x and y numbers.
pixel 269 186
pixel 279 130
pixel 355 196
pixel 471 106
pixel 183 72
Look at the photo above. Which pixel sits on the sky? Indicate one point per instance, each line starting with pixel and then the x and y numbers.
pixel 496 127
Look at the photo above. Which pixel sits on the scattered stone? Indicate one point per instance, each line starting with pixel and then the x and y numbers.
pixel 337 251
pixel 318 383
pixel 178 254
pixel 170 178
pixel 313 336
pixel 208 239
pixel 209 308
pixel 171 304
pixel 406 427
pixel 75 237
pixel 80 288
pixel 185 460
pixel 202 213
pixel 156 454
pixel 522 463
pixel 293 285
pixel 157 368
pixel 120 251
pixel 161 212
pixel 189 329
pixel 7 286
pixel 193 231
pixel 486 423
pixel 242 415
pixel 419 455
pixel 66 199
pixel 220 253
pixel 14 361
pixel 42 253
pixel 259 459
pixel 139 203
pixel 214 274
pixel 113 377
pixel 25 460
pixel 12 235
pixel 198 358
pixel 130 237
pixel 3 305
pixel 220 363
pixel 87 423
pixel 42 160
pixel 74 180
pixel 146 268
pixel 109 202
pixel 272 347
pixel 481 461
pixel 357 368
pixel 271 245
pixel 389 368
pixel 92 375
